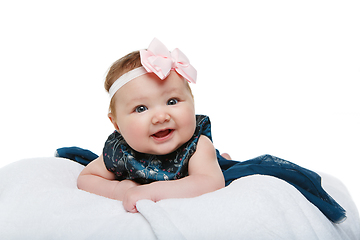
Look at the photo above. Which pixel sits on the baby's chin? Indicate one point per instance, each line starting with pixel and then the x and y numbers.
pixel 160 150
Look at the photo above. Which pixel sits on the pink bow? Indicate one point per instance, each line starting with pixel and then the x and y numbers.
pixel 158 59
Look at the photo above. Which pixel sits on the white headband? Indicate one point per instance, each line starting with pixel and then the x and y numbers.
pixel 125 78
pixel 159 60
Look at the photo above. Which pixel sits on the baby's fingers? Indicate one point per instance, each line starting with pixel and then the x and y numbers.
pixel 130 207
pixel 130 199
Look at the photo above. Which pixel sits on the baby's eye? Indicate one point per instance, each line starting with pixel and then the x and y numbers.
pixel 140 109
pixel 172 101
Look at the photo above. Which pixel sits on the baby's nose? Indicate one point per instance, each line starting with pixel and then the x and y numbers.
pixel 160 118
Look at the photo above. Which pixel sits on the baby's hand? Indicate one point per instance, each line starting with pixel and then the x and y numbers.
pixel 133 195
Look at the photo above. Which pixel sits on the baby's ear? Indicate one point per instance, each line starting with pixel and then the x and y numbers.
pixel 113 121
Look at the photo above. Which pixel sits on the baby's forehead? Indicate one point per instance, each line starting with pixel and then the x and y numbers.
pixel 150 86
pixel 144 92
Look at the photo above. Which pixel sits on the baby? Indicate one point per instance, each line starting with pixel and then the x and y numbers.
pixel 158 137
pixel 160 149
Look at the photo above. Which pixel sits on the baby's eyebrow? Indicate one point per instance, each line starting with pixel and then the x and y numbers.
pixel 137 98
pixel 140 98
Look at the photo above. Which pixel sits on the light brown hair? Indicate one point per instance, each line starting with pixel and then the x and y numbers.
pixel 119 68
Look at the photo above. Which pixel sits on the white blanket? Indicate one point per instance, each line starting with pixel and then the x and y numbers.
pixel 39 199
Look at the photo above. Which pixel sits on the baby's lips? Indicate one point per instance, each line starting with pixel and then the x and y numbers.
pixel 162 133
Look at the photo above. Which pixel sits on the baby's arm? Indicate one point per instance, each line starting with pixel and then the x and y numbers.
pixel 204 176
pixel 95 178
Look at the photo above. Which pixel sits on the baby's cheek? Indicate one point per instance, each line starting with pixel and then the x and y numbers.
pixel 188 127
pixel 134 136
pixel 190 121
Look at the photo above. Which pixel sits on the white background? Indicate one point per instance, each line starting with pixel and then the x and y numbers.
pixel 276 77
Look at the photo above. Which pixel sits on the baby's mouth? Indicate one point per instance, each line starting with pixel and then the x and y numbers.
pixel 162 133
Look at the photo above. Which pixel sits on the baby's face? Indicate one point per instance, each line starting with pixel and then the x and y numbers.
pixel 155 116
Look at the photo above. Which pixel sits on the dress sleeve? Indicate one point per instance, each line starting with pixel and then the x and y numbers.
pixel 203 126
pixel 113 155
